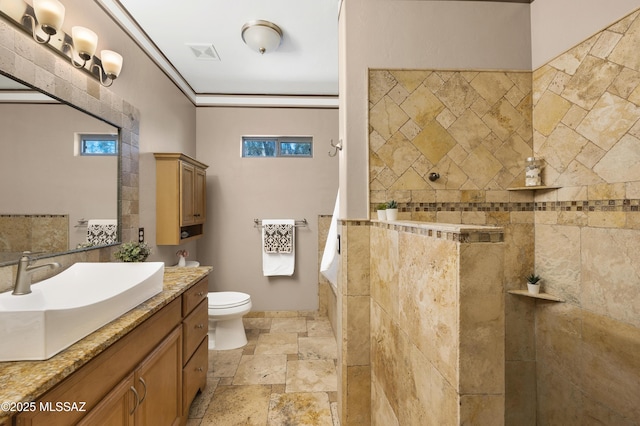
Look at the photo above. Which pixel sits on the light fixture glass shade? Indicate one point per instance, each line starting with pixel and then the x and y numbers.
pixel 261 36
pixel 111 63
pixel 85 42
pixel 15 9
pixel 50 15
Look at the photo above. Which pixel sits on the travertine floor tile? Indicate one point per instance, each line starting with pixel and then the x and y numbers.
pixel 239 405
pixel 289 325
pixel 261 369
pixel 281 377
pixel 300 409
pixel 277 343
pixel 202 400
pixel 257 323
pixel 224 363
pixel 320 327
pixel 311 376
pixel 317 348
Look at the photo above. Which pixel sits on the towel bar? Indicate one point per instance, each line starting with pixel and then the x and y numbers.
pixel 258 223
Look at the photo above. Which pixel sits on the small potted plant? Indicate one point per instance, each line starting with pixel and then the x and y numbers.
pixel 533 284
pixel 132 252
pixel 382 211
pixel 392 210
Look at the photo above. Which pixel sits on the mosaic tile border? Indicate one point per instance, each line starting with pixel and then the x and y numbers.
pixel 617 205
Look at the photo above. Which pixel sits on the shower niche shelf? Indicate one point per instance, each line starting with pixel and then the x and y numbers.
pixel 533 188
pixel 543 296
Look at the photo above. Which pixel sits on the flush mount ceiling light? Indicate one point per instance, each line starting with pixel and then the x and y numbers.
pixel 261 36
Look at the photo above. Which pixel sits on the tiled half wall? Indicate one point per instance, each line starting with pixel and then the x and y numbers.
pixel 433 297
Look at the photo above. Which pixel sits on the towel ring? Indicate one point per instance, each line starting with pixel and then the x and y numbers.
pixel 336 147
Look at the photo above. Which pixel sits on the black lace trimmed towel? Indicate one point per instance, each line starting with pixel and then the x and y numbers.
pixel 102 231
pixel 278 238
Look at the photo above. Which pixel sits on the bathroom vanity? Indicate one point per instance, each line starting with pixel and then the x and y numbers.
pixel 143 368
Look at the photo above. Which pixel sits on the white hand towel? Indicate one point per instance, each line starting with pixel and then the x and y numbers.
pixel 277 262
pixel 330 257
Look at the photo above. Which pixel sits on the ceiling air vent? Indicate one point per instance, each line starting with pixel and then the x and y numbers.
pixel 204 52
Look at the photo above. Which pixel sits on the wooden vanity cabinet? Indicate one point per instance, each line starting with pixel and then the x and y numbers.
pixel 195 350
pixel 181 186
pixel 148 377
pixel 159 337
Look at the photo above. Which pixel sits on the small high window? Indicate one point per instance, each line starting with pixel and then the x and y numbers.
pixel 98 144
pixel 289 146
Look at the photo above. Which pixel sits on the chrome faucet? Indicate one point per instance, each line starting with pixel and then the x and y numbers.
pixel 23 277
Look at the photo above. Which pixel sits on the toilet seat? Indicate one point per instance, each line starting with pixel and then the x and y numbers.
pixel 227 299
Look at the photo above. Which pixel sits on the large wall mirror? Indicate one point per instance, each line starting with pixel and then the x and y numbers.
pixel 49 192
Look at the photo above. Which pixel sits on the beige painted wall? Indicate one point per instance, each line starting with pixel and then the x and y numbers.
pixel 558 25
pixel 241 189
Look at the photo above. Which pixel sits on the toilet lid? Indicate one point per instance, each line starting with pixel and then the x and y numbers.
pixel 227 299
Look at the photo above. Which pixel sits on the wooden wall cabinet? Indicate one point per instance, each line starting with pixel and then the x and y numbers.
pixel 148 377
pixel 181 188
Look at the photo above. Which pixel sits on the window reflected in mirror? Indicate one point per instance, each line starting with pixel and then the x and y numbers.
pixel 58 172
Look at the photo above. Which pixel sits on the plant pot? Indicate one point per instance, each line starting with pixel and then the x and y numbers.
pixel 533 288
pixel 382 215
pixel 392 214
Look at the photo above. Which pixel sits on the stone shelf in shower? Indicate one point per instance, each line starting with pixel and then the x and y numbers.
pixel 543 296
pixel 532 188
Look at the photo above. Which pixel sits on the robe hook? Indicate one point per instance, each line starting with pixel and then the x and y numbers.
pixel 337 147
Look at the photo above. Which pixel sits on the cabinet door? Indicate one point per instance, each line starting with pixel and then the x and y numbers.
pixel 158 381
pixel 187 188
pixel 116 409
pixel 200 196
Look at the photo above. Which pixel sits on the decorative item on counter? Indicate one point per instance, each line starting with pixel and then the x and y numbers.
pixel 392 210
pixel 533 284
pixel 132 252
pixel 182 257
pixel 532 172
pixel 382 211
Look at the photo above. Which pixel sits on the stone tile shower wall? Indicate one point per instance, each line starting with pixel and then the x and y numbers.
pixel 587 249
pixel 437 327
pixel 39 67
pixel 474 129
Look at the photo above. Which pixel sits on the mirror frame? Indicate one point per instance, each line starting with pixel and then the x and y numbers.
pixel 38 67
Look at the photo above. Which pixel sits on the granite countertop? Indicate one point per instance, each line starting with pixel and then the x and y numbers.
pixel 26 381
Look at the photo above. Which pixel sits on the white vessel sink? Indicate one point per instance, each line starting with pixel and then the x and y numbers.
pixel 67 307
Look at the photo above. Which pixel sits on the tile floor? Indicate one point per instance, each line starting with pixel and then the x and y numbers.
pixel 286 375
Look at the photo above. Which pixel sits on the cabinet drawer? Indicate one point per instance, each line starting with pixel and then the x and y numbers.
pixel 194 329
pixel 194 374
pixel 196 294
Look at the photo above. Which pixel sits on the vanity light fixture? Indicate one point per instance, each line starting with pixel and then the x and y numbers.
pixel 261 36
pixel 85 43
pixel 49 16
pixel 111 66
pixel 46 17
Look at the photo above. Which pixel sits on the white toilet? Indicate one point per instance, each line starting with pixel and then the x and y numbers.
pixel 226 309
